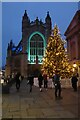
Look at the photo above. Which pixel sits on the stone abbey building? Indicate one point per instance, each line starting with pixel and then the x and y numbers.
pixel 27 56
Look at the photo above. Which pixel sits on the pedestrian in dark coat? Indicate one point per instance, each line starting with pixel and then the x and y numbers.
pixel 57 84
pixel 40 79
pixel 17 81
pixel 45 80
pixel 74 82
pixel 31 81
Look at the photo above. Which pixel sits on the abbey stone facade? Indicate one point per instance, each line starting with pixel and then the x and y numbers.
pixel 27 56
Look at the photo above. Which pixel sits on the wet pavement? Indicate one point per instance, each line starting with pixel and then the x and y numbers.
pixel 23 104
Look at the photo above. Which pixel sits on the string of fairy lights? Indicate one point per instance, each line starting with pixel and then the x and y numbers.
pixel 56 58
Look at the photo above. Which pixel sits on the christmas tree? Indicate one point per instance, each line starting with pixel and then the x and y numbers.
pixel 56 58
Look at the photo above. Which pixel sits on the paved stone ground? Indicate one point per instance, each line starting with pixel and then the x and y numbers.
pixel 38 104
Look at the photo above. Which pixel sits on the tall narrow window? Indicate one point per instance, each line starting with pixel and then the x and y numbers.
pixel 36 48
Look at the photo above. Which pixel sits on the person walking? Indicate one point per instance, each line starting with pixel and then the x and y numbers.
pixel 57 84
pixel 31 81
pixel 45 80
pixel 40 79
pixel 74 81
pixel 17 81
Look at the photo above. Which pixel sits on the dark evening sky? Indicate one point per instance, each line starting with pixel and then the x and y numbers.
pixel 61 13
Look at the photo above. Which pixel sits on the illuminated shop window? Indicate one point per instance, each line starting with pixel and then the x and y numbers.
pixel 36 47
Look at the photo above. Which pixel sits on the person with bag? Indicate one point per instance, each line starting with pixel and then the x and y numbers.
pixel 45 80
pixel 57 84
pixel 74 81
pixel 30 82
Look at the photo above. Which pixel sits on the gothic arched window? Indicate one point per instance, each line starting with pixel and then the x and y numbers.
pixel 36 47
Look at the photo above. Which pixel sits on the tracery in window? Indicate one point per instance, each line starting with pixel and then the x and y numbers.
pixel 36 48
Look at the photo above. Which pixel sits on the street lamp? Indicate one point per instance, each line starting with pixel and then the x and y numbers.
pixel 0 73
pixel 2 81
pixel 74 65
pixel 75 68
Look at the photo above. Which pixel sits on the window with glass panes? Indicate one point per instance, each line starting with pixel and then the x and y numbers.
pixel 36 48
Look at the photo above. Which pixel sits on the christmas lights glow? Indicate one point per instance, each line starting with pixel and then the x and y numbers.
pixel 56 58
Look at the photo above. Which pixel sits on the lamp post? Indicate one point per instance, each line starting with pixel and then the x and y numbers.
pixel 74 65
pixel 1 78
pixel 0 74
pixel 76 69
